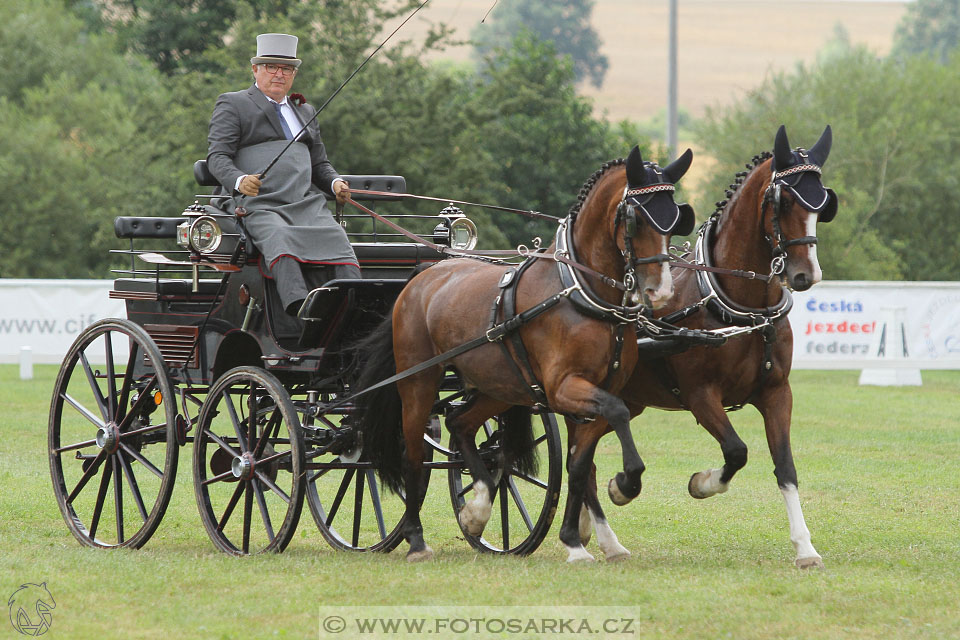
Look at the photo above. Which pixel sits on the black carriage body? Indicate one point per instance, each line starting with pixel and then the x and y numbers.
pixel 247 325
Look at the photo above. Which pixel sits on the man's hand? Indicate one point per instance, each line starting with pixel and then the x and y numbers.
pixel 341 190
pixel 249 185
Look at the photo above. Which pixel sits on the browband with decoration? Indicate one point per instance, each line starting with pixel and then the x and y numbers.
pixel 653 188
pixel 800 168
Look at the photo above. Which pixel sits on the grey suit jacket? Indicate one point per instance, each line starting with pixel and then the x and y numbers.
pixel 244 118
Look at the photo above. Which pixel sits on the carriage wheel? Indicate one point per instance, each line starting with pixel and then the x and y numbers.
pixel 523 505
pixel 352 509
pixel 112 436
pixel 248 463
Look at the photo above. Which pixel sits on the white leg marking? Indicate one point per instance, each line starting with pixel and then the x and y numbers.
pixel 807 556
pixel 664 292
pixel 812 231
pixel 607 539
pixel 586 527
pixel 707 483
pixel 578 554
pixel 475 514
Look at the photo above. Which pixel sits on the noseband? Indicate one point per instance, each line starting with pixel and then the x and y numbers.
pixel 779 244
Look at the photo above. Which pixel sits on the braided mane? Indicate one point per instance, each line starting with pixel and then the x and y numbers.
pixel 588 186
pixel 755 162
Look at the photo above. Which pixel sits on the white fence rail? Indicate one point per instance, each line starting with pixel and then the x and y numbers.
pixel 836 324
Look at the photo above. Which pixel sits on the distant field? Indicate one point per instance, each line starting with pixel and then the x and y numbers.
pixel 878 481
pixel 725 47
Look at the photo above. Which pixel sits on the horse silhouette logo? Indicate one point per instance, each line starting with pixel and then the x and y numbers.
pixel 30 607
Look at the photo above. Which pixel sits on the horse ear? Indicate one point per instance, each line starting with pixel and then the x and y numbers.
pixel 675 170
pixel 636 175
pixel 687 221
pixel 819 152
pixel 781 149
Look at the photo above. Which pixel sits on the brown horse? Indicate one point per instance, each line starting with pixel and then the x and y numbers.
pixel 572 357
pixel 768 225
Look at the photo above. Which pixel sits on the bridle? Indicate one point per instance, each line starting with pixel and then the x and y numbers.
pixel 778 243
pixel 627 215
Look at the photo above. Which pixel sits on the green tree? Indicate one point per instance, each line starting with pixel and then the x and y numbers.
pixel 566 23
pixel 930 27
pixel 894 162
pixel 82 142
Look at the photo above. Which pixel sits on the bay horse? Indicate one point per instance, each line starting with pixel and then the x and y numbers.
pixel 768 224
pixel 571 357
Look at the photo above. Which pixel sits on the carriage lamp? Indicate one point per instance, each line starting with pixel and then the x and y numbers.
pixel 463 234
pixel 205 234
pixel 456 230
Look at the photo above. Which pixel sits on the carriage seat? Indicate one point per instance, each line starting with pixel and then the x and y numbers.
pixel 146 227
pixel 390 184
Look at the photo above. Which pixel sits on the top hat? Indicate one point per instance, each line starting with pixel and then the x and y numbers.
pixel 276 48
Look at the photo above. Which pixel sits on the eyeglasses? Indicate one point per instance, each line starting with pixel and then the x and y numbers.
pixel 282 68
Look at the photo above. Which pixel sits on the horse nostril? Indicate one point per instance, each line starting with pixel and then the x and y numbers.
pixel 799 281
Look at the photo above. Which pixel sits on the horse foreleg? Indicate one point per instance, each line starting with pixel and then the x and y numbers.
pixel 463 425
pixel 592 516
pixel 579 466
pixel 776 406
pixel 707 408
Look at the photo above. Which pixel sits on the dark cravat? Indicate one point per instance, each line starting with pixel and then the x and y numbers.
pixel 283 122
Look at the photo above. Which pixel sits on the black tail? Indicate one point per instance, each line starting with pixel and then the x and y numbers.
pixel 518 439
pixel 378 414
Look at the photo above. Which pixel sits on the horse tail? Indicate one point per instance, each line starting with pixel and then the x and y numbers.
pixel 518 439
pixel 379 414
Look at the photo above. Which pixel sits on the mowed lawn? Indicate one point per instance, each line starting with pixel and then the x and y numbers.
pixel 879 484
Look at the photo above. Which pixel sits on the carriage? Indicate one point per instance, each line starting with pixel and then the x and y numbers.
pixel 207 358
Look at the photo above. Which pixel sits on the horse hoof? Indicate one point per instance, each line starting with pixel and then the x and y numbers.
pixel 706 484
pixel 813 562
pixel 579 554
pixel 616 496
pixel 694 487
pixel 420 556
pixel 471 524
pixel 618 556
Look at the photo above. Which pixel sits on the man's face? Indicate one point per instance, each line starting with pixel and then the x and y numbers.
pixel 275 80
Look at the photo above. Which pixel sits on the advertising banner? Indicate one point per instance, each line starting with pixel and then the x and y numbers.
pixel 47 315
pixel 838 324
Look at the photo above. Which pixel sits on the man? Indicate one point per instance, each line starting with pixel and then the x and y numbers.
pixel 287 217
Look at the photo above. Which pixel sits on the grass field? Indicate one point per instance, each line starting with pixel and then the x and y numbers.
pixel 878 481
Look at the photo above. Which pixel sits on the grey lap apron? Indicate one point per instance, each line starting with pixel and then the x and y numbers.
pixel 289 217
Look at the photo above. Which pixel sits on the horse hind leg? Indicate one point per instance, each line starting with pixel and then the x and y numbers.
pixel 704 484
pixel 418 393
pixel 463 424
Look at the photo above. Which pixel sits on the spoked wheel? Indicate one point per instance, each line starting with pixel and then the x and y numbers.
pixel 248 463
pixel 112 436
pixel 523 504
pixel 351 507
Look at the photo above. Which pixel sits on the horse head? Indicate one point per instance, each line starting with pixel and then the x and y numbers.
pixel 798 200
pixel 649 195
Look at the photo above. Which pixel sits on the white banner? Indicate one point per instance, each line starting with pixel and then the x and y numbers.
pixel 838 324
pixel 48 315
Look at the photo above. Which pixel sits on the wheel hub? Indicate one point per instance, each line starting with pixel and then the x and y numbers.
pixel 242 467
pixel 108 437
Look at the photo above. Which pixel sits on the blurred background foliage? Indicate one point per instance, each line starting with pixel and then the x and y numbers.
pixel 104 106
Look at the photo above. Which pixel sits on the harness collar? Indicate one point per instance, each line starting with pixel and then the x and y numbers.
pixel 717 301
